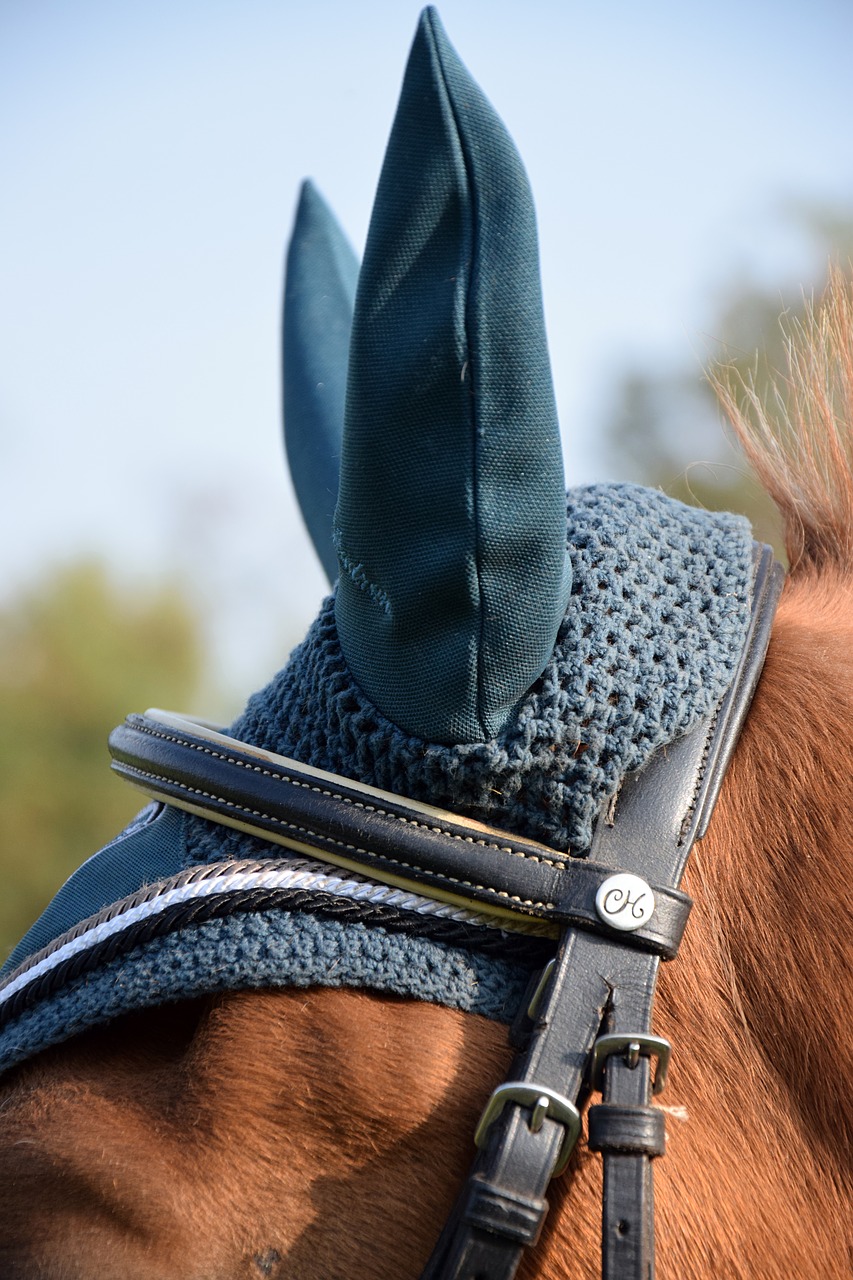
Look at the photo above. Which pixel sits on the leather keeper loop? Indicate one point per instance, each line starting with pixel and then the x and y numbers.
pixel 494 1209
pixel 627 1130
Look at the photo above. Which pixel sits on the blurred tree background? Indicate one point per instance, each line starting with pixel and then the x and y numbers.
pixel 78 651
pixel 665 428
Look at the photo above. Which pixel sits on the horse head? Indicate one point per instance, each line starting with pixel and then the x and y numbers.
pixel 475 785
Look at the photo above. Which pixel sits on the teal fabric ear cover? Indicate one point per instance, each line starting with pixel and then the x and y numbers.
pixel 465 488
pixel 319 293
pixel 450 524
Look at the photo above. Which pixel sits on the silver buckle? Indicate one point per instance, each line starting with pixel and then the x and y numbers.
pixel 545 1102
pixel 632 1046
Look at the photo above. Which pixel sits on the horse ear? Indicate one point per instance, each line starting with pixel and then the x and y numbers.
pixel 319 291
pixel 451 520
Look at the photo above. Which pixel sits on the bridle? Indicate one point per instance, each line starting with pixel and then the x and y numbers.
pixel 585 1024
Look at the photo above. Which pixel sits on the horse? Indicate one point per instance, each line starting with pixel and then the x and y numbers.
pixel 251 1037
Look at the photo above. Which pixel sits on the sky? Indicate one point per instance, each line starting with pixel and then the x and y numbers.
pixel 151 156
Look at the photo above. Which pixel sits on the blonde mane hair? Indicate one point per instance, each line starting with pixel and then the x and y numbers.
pixel 799 438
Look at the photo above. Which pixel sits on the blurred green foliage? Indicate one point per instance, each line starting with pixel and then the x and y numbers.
pixel 77 653
pixel 666 428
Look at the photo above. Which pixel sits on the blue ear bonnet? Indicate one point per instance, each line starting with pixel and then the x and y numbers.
pixel 449 524
pixel 492 647
pixel 319 295
pixel 652 649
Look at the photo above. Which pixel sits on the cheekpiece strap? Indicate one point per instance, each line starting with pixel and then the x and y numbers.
pixel 588 1023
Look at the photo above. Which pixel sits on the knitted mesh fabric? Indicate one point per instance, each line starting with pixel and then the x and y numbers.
pixel 649 644
pixel 268 949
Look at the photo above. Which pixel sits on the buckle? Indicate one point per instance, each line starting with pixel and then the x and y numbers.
pixel 545 1102
pixel 633 1046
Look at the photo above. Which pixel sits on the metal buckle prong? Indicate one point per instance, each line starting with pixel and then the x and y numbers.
pixel 632 1046
pixel 545 1102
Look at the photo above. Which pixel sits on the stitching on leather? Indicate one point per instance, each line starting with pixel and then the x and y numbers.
pixel 356 804
pixel 699 782
pixel 758 604
pixel 352 848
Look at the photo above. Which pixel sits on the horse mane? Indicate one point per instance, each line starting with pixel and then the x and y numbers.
pixel 797 434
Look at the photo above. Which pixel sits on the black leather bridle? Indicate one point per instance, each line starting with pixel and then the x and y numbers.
pixel 586 1024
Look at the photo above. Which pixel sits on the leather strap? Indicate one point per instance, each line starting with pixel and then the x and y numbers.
pixel 628 1129
pixel 388 837
pixel 602 988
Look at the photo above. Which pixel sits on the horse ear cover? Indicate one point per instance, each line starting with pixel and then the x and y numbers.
pixel 451 522
pixel 319 292
pixel 665 616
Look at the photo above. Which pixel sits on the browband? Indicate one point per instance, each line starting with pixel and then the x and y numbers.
pixel 618 912
pixel 394 840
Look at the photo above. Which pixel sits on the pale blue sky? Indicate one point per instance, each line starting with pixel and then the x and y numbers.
pixel 151 154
